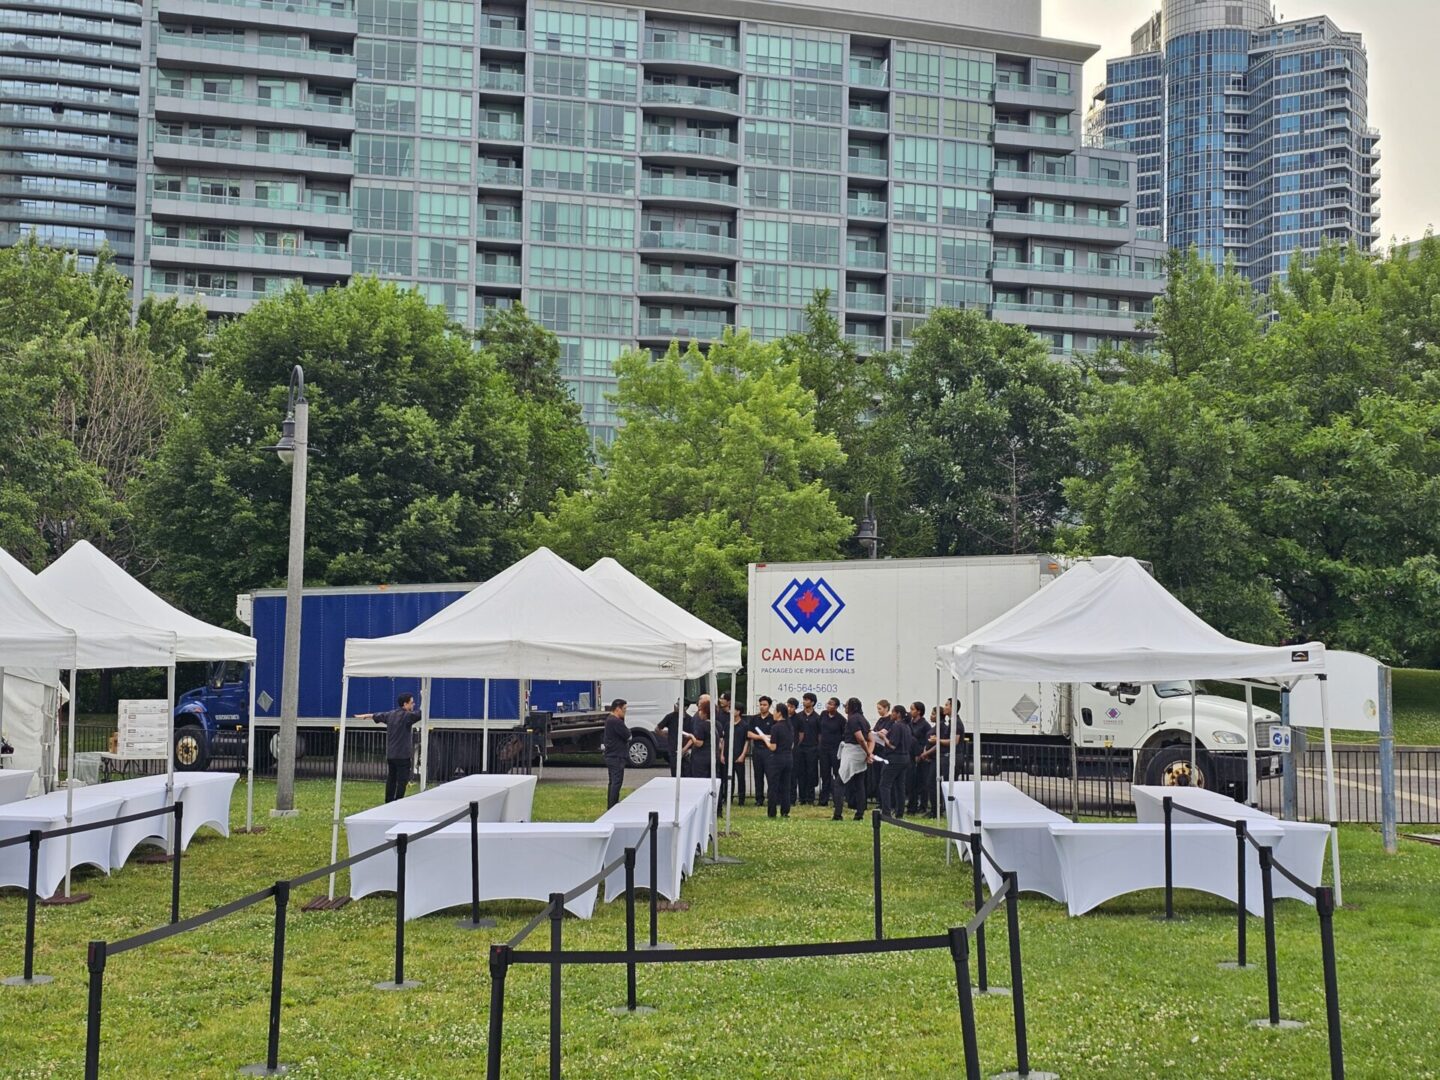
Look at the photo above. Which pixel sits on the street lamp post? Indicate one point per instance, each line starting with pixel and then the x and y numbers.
pixel 293 449
pixel 868 535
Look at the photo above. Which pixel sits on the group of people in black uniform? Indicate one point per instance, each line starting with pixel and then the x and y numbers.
pixel 799 753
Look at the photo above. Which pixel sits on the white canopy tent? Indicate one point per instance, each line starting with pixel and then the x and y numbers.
pixel 103 639
pixel 33 649
pixel 1122 626
pixel 87 576
pixel 540 618
pixel 627 590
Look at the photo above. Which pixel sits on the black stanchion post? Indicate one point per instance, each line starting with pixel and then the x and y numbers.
pixel 654 828
pixel 960 953
pixel 1240 857
pixel 875 874
pixel 402 844
pixel 1325 905
pixel 32 898
pixel 978 877
pixel 272 1066
pixel 499 968
pixel 175 865
pixel 1272 978
pixel 630 1002
pixel 95 961
pixel 1017 983
pixel 475 922
pixel 557 921
pixel 1169 804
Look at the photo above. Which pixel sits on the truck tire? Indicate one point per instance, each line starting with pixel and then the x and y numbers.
pixel 640 754
pixel 1170 767
pixel 299 747
pixel 192 749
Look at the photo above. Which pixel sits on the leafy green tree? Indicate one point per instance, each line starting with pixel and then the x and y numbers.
pixel 716 466
pixel 418 453
pixel 557 445
pixel 981 415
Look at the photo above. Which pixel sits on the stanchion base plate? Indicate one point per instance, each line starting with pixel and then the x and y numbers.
pixel 21 980
pixel 991 991
pixel 1283 1025
pixel 264 1070
pixel 153 859
pixel 60 901
pixel 483 924
pixel 1033 1074
pixel 325 903
pixel 723 860
pixel 408 984
pixel 672 905
pixel 639 1010
pixel 1235 965
pixel 657 947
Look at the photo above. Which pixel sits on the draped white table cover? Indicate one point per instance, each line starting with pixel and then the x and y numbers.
pixel 47 812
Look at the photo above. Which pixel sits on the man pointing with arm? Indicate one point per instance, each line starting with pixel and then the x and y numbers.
pixel 398 722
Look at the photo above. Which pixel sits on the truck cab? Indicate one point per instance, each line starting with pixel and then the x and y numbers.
pixel 213 719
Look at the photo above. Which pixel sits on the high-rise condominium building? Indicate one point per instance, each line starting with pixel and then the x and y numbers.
pixel 634 174
pixel 1251 135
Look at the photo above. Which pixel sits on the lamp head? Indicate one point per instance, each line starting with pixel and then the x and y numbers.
pixel 285 448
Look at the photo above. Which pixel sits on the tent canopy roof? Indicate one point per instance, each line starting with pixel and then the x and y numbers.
pixel 538 619
pixel 659 610
pixel 102 639
pixel 28 637
pixel 87 576
pixel 1115 624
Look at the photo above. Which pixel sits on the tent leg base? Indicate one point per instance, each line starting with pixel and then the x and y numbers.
pixel 723 860
pixel 1033 1074
pixel 59 900
pixel 481 924
pixel 326 903
pixel 254 830
pixel 21 980
pixel 639 1010
pixel 1283 1025
pixel 1235 965
pixel 408 984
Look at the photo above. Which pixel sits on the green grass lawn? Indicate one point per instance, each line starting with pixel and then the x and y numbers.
pixel 1111 994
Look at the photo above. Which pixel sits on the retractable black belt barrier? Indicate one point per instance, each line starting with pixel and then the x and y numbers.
pixel 35 837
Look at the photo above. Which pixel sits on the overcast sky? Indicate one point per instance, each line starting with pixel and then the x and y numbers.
pixel 1400 37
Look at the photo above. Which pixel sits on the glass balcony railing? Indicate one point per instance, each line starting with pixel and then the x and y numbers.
pixel 31 115
pixel 32 70
pixel 316 56
pixel 865 166
pixel 1031 129
pixel 699 145
pixel 679 240
pixel 869 76
pixel 497 37
pixel 872 209
pixel 307 207
pixel 498 230
pixel 96 216
pixel 688 188
pixel 1061 219
pixel 688 285
pixel 1071 271
pixel 1056 309
pixel 498 273
pixel 502 130
pixel 301 251
pixel 692 52
pixel 856 301
pixel 865 259
pixel 700 96
pixel 681 328
pixel 342 9
pixel 313 105
pixel 1061 178
pixel 866 343
pixel 1033 88
pixel 252 148
pixel 500 175
pixel 511 82
pixel 869 118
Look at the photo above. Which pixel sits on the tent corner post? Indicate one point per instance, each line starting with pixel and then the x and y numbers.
pixel 339 776
pixel 250 757
pixel 1331 810
pixel 1388 819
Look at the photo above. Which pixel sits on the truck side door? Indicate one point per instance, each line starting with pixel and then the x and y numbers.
pixel 1124 718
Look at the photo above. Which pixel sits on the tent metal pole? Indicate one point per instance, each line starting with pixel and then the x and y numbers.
pixel 1330 810
pixel 939 780
pixel 975 736
pixel 714 721
pixel 1388 825
pixel 339 777
pixel 485 731
pixel 1193 696
pixel 70 775
pixel 1289 780
pixel 730 750
pixel 173 848
pixel 1251 776
pixel 2 704
pixel 956 748
pixel 424 731
pixel 250 757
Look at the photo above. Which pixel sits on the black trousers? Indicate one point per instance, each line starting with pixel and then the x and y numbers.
pixel 780 775
pixel 829 763
pixel 922 796
pixel 616 768
pixel 892 786
pixel 807 761
pixel 851 793
pixel 759 765
pixel 737 774
pixel 397 777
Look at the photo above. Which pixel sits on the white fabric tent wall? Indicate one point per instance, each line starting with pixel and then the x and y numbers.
pixel 33 647
pixel 1122 626
pixel 28 715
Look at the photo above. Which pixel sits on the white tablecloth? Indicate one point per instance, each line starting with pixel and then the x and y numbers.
pixel 368 828
pixel 1001 803
pixel 518 861
pixel 139 794
pixel 47 812
pixel 1027 848
pixel 206 796
pixel 697 822
pixel 629 821
pixel 14 784
pixel 1301 846
pixel 519 792
pixel 1100 861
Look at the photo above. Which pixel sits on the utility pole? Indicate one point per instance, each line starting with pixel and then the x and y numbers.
pixel 293 448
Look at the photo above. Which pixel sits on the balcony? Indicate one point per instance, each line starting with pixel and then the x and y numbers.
pixel 216 299
pixel 865 301
pixel 1034 96
pixel 687 98
pixel 39 93
pixel 312 114
pixel 866 344
pixel 266 14
pixel 13 68
pixel 96 217
pixel 102 7
pixel 37 22
pixel 196 150
pixel 497 37
pixel 1052 186
pixel 308 258
pixel 1055 317
pixel 496 229
pixel 501 131
pixel 502 82
pixel 212 53
pixel 191 205
pixel 867 166
pixel 689 243
pixel 66 143
pixel 64 165
pixel 688 146
pixel 865 260
pixel 103 124
pixel 690 54
pixel 502 176
pixel 867 209
pixel 687 190
pixel 1035 137
pixel 1059 226
pixel 876 78
pixel 695 285
pixel 681 328
pixel 497 273
pixel 873 119
pixel 1084 278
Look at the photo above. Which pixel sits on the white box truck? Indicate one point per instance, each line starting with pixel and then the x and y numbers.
pixel 869 628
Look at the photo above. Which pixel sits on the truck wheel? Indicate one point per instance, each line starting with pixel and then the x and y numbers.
pixel 299 747
pixel 1170 767
pixel 641 754
pixel 192 749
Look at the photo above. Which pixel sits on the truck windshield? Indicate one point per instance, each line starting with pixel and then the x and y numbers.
pixel 1173 689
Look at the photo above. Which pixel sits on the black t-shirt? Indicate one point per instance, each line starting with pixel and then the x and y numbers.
pixel 808 724
pixel 761 724
pixel 922 731
pixel 699 728
pixel 898 733
pixel 832 729
pixel 782 736
pixel 669 730
pixel 856 722
pixel 617 736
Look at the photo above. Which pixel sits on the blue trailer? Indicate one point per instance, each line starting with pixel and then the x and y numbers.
pixel 213 720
